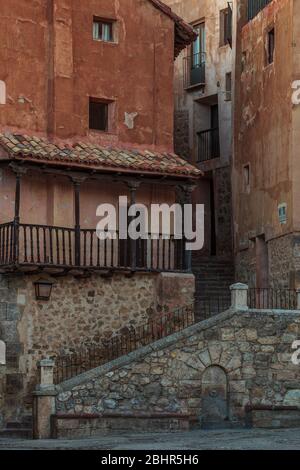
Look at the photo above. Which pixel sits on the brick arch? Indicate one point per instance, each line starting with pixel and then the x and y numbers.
pixel 2 92
pixel 2 353
pixel 229 358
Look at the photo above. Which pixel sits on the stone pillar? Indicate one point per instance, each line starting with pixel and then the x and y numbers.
pixel 239 296
pixel 44 401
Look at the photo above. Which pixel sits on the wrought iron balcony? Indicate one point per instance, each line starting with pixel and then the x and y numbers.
pixel 255 6
pixel 208 145
pixel 194 70
pixel 32 247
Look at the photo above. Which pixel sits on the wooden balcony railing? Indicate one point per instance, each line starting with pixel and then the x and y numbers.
pixel 43 245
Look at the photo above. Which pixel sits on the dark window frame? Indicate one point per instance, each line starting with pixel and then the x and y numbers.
pixel 101 22
pixel 228 86
pixel 270 46
pixel 98 122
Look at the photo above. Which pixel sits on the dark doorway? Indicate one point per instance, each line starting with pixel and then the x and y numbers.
pixel 214 116
pixel 215 404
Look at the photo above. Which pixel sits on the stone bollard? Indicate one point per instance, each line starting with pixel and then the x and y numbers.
pixel 239 296
pixel 44 401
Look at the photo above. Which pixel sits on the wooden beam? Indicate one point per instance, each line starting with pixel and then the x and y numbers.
pixel 92 174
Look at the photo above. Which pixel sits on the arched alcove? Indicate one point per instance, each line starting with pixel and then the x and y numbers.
pixel 2 92
pixel 215 404
pixel 2 353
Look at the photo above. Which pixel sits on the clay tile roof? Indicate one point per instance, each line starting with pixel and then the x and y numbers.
pixel 88 155
pixel 184 33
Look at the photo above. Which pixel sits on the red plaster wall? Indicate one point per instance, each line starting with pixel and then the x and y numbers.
pixel 263 123
pixel 51 65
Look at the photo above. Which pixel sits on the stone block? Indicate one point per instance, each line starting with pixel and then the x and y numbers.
pixel 9 331
pixel 14 383
pixel 227 334
pixel 3 310
pixel 13 312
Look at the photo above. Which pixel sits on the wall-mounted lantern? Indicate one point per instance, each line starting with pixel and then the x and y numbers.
pixel 43 289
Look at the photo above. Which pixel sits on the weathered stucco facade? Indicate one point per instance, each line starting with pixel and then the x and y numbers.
pixel 265 167
pixel 196 101
pixel 53 67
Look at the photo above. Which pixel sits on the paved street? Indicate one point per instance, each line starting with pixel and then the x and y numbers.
pixel 194 440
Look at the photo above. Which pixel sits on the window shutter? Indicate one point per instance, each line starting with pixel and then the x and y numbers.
pixel 229 24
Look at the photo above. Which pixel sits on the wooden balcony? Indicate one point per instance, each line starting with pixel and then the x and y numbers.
pixel 30 248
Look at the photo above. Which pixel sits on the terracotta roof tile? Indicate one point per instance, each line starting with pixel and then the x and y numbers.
pixel 84 155
pixel 184 33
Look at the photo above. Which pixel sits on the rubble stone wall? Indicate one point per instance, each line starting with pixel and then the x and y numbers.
pixel 79 312
pixel 232 360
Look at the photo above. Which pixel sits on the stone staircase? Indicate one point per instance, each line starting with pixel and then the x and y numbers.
pixel 18 430
pixel 214 276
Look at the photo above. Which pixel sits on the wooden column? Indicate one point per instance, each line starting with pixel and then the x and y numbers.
pixel 77 181
pixel 133 187
pixel 19 171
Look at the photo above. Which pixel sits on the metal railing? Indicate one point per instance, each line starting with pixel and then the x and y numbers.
pixel 269 298
pixel 43 245
pixel 208 308
pixel 194 69
pixel 208 144
pixel 91 356
pixel 255 6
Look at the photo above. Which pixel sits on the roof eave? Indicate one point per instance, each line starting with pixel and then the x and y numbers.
pixel 108 169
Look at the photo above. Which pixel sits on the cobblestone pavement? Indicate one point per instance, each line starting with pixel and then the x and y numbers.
pixel 193 440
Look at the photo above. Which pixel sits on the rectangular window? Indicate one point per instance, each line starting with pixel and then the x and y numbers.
pixel 199 46
pixel 98 115
pixel 271 46
pixel 228 87
pixel 103 30
pixel 197 60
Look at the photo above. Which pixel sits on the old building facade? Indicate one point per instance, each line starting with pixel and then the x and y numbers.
pixel 86 116
pixel 265 164
pixel 203 132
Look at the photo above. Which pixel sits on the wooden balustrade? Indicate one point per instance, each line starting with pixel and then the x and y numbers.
pixel 43 245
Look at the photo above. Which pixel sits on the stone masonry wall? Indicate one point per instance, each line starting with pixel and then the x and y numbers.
pixel 81 311
pixel 181 134
pixel 252 350
pixel 284 263
pixel 222 180
pixel 281 262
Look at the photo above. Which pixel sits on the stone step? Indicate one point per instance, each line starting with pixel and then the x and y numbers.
pixel 25 424
pixel 18 433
